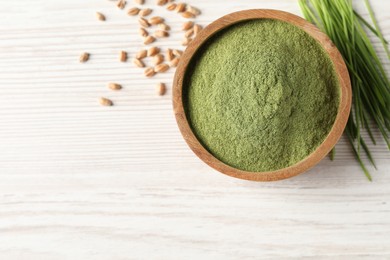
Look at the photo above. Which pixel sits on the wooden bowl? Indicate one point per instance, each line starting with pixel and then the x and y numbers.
pixel 315 157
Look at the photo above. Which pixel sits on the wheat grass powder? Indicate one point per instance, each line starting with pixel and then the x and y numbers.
pixel 261 95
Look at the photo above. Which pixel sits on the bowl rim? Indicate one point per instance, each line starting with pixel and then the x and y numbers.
pixel 312 159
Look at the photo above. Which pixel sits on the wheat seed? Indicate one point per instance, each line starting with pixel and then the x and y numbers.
pixel 161 89
pixel 149 39
pixel 84 57
pixel 100 16
pixel 158 59
pixel 187 15
pixel 143 22
pixel 177 52
pixel 149 72
pixel 197 29
pixel 195 11
pixel 187 25
pixel 170 56
pixel 123 56
pixel 133 11
pixel 139 63
pixel 161 34
pixel 164 27
pixel 156 20
pixel 160 68
pixel 153 51
pixel 180 7
pixel 143 32
pixel 189 33
pixel 121 4
pixel 186 41
pixel 162 2
pixel 114 86
pixel 145 12
pixel 141 54
pixel 174 62
pixel 105 102
pixel 171 7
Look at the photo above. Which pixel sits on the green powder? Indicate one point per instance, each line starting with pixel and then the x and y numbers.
pixel 261 95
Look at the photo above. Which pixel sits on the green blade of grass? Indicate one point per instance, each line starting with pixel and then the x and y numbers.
pixel 369 26
pixel 371 12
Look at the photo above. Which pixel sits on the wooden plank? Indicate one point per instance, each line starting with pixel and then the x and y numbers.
pixel 80 181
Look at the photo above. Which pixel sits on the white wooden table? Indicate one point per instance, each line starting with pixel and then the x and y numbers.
pixel 81 181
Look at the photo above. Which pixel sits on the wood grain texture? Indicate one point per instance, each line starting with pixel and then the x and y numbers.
pixel 315 157
pixel 81 181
